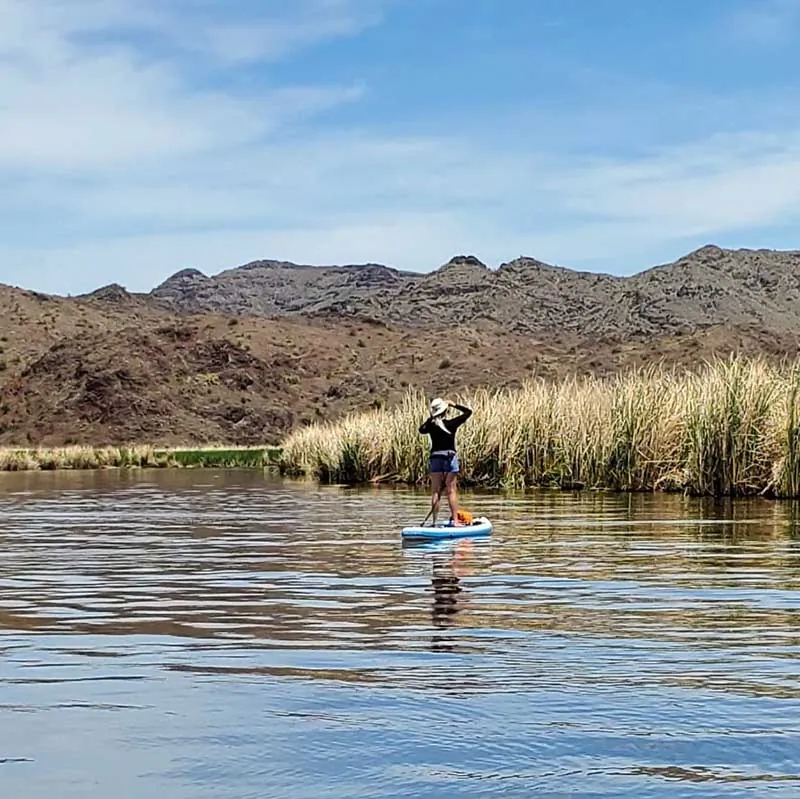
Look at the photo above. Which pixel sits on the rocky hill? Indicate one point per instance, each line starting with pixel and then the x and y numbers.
pixel 250 354
pixel 708 287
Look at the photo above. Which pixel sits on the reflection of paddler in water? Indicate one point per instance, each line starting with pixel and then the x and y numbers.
pixel 446 583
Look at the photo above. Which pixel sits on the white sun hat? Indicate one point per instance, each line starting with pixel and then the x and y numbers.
pixel 438 407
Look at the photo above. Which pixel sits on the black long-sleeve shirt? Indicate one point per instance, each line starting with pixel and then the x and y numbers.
pixel 442 441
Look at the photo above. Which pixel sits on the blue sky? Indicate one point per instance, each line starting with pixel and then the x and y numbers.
pixel 140 137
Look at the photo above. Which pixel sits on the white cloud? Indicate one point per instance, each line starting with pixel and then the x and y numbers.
pixel 116 164
pixel 141 261
pixel 321 20
pixel 71 103
pixel 765 21
pixel 415 203
pixel 722 183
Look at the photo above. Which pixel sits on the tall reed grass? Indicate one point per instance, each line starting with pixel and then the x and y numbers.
pixel 730 427
pixel 81 457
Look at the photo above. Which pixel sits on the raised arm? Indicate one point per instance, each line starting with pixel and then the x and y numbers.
pixel 465 414
pixel 424 427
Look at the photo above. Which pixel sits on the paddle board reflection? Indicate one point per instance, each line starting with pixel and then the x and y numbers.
pixel 446 563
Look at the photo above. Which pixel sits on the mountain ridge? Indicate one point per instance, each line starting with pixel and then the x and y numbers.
pixel 706 287
pixel 524 294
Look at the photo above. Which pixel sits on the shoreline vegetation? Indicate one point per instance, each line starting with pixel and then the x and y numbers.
pixel 727 428
pixel 136 457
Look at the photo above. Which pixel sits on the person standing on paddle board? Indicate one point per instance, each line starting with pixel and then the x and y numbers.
pixel 444 465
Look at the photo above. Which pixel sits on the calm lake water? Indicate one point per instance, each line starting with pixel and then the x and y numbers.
pixel 215 634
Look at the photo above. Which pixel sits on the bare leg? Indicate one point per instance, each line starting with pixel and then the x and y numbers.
pixel 437 481
pixel 450 487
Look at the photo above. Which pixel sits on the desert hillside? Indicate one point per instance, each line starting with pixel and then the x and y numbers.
pixel 248 355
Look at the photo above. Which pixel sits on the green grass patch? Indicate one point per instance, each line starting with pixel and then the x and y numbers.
pixel 234 458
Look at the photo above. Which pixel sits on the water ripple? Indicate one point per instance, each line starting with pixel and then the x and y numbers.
pixel 256 638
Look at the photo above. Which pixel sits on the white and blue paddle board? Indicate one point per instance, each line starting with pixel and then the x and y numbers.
pixel 479 526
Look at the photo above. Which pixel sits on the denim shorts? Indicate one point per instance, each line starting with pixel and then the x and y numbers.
pixel 444 464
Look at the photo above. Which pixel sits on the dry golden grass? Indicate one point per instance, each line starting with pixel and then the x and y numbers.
pixel 79 457
pixel 76 457
pixel 728 428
